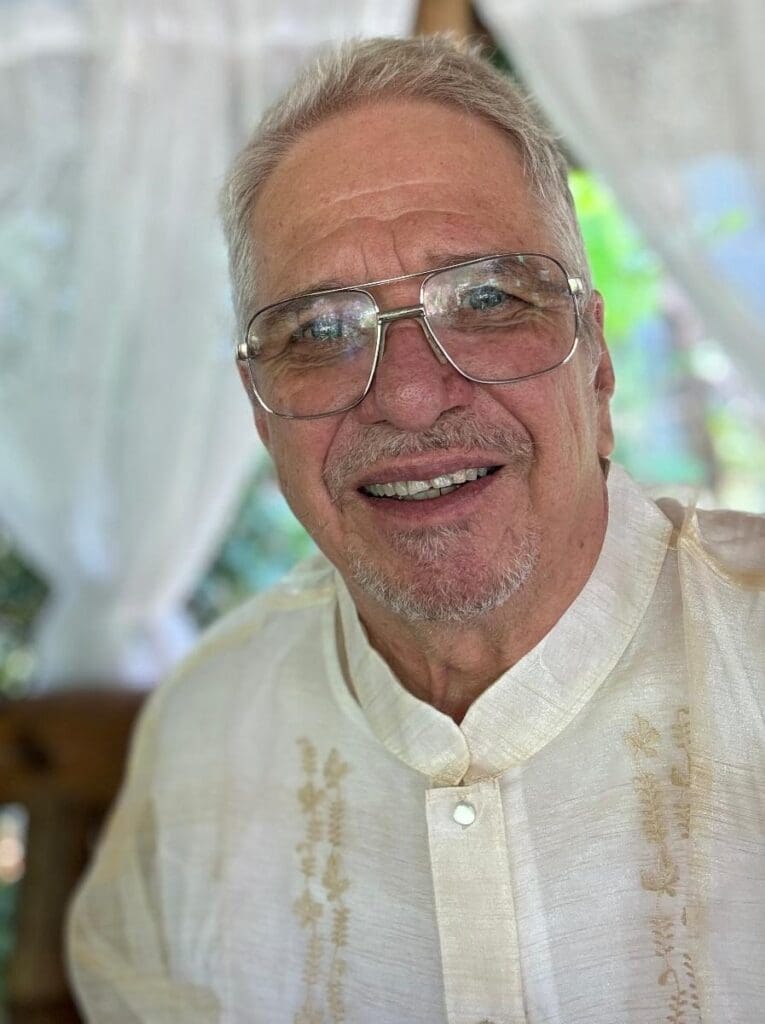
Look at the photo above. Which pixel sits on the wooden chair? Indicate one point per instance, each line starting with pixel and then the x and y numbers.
pixel 62 756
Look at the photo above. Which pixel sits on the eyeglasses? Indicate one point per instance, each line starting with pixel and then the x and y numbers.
pixel 496 320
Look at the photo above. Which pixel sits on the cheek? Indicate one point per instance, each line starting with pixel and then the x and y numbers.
pixel 560 418
pixel 570 463
pixel 298 451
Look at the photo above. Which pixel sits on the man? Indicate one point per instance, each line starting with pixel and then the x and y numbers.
pixel 501 763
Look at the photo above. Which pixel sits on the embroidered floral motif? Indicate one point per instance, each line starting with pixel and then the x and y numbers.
pixel 681 773
pixel 321 862
pixel 643 738
pixel 662 877
pixel 649 794
pixel 336 884
pixel 308 910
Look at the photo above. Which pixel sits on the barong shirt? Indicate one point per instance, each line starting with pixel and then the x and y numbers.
pixel 302 841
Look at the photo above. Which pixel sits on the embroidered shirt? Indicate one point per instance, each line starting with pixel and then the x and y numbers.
pixel 587 846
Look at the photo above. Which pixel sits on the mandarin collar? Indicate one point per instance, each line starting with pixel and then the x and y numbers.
pixel 531 703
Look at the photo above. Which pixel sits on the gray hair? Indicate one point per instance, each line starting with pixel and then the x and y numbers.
pixel 435 68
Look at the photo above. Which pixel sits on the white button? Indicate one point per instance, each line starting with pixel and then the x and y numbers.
pixel 464 813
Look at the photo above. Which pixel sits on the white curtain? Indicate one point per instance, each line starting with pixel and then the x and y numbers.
pixel 124 438
pixel 665 99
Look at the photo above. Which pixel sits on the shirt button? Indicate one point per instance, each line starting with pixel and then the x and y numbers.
pixel 464 813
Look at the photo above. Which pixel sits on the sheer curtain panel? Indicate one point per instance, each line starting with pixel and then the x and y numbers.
pixel 664 99
pixel 124 438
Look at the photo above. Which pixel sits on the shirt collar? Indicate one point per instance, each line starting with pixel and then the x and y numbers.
pixel 531 703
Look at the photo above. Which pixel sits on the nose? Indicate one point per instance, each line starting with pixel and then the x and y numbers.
pixel 414 384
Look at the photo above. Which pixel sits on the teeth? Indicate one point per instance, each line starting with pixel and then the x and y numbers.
pixel 418 490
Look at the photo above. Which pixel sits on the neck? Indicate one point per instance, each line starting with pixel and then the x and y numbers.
pixel 450 664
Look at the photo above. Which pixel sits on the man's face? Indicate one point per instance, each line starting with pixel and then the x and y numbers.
pixel 386 190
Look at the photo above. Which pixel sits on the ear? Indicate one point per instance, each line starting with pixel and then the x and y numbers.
pixel 604 381
pixel 258 413
pixel 263 427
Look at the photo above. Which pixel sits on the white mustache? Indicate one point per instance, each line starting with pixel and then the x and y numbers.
pixel 455 432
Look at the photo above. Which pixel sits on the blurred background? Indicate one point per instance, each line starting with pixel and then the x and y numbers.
pixel 136 505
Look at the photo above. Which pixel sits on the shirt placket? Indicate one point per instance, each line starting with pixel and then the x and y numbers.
pixel 474 905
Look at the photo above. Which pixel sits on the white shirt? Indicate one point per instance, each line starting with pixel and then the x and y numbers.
pixel 587 846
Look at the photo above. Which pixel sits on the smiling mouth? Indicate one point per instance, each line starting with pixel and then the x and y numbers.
pixel 426 490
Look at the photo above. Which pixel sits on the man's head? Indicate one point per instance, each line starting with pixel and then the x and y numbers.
pixel 394 157
pixel 431 68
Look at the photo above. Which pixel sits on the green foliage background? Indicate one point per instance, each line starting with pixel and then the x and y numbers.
pixel 622 268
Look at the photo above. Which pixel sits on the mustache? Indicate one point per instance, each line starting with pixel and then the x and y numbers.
pixel 450 432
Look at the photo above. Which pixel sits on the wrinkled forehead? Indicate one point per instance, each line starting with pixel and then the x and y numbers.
pixel 378 190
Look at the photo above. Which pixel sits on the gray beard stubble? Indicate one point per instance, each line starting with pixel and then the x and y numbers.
pixel 440 598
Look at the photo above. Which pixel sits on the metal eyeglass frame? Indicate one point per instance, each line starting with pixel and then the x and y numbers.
pixel 389 316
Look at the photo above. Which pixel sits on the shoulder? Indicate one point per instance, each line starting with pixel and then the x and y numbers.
pixel 728 543
pixel 242 649
pixel 308 587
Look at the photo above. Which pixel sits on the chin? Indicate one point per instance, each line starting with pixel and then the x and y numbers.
pixel 435 586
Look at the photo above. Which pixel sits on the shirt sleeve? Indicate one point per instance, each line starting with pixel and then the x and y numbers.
pixel 118 950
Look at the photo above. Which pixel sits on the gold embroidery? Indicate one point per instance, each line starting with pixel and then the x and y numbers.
pixel 662 877
pixel 681 780
pixel 647 787
pixel 335 884
pixel 681 774
pixel 308 910
pixel 643 738
pixel 322 830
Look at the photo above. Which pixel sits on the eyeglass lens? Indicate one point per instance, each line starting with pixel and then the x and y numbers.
pixel 497 319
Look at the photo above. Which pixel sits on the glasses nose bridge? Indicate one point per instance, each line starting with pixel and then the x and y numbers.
pixel 417 312
pixel 389 316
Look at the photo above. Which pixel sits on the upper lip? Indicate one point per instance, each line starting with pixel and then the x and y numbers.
pixel 426 467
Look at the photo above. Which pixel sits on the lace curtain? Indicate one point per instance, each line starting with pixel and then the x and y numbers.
pixel 124 439
pixel 664 99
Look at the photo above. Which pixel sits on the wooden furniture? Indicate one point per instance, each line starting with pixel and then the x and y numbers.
pixel 62 756
pixel 446 16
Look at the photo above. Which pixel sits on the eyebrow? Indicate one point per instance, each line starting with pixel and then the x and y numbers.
pixel 435 261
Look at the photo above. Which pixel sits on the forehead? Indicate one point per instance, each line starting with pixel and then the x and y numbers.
pixel 387 189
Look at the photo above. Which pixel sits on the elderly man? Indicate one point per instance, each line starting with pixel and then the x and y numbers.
pixel 496 756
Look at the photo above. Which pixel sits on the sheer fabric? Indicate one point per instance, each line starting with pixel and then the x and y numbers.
pixel 664 99
pixel 588 845
pixel 124 435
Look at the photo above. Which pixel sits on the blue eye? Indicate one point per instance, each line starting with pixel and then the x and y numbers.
pixel 325 328
pixel 486 296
